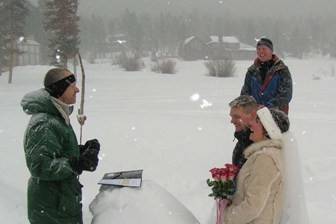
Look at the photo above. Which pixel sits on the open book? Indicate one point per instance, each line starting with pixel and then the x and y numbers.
pixel 132 178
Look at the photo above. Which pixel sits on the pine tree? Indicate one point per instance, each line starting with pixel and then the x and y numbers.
pixel 61 24
pixel 3 50
pixel 12 19
pixel 133 29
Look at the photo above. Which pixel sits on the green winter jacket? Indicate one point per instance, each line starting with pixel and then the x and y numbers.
pixel 54 192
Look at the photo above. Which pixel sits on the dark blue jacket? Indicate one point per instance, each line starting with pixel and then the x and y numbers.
pixel 274 90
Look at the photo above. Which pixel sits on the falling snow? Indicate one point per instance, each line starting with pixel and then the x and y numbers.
pixel 179 141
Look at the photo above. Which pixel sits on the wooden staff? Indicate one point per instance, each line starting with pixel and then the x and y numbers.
pixel 82 100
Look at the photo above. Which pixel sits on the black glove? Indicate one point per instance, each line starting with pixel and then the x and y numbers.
pixel 88 158
pixel 93 145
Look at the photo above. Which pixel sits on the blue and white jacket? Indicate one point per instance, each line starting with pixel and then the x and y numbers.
pixel 275 91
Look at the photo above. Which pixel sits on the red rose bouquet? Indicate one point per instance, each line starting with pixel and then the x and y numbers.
pixel 223 187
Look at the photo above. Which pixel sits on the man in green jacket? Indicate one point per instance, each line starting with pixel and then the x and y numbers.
pixel 53 156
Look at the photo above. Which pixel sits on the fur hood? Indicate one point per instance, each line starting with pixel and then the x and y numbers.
pixel 262 146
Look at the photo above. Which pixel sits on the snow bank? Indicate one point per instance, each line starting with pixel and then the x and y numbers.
pixel 148 204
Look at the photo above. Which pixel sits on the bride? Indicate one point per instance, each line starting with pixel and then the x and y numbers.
pixel 263 195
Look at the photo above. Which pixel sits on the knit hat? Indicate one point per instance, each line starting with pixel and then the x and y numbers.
pixel 57 89
pixel 265 42
pixel 274 121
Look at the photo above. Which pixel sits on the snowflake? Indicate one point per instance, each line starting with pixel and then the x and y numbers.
pixel 195 97
pixel 205 104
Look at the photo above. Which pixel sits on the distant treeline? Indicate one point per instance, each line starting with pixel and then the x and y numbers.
pixel 294 36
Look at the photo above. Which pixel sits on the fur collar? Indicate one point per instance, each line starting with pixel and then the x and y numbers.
pixel 262 145
pixel 275 59
pixel 277 64
pixel 64 109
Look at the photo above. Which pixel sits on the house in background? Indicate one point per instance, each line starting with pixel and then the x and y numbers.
pixel 216 47
pixel 29 52
pixel 117 48
pixel 230 47
pixel 221 47
pixel 118 45
pixel 245 52
pixel 193 48
pixel 108 49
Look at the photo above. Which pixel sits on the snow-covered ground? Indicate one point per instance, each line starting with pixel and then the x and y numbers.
pixel 175 127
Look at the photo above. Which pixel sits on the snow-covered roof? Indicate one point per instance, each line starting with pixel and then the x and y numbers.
pixel 29 42
pixel 230 39
pixel 214 39
pixel 225 39
pixel 246 47
pixel 186 41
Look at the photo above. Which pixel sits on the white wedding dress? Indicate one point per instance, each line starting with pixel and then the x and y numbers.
pixel 295 210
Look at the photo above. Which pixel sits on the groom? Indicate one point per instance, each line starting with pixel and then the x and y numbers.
pixel 242 110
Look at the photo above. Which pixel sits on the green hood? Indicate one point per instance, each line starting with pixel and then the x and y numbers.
pixel 38 101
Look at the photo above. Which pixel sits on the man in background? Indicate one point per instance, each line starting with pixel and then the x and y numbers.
pixel 268 80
